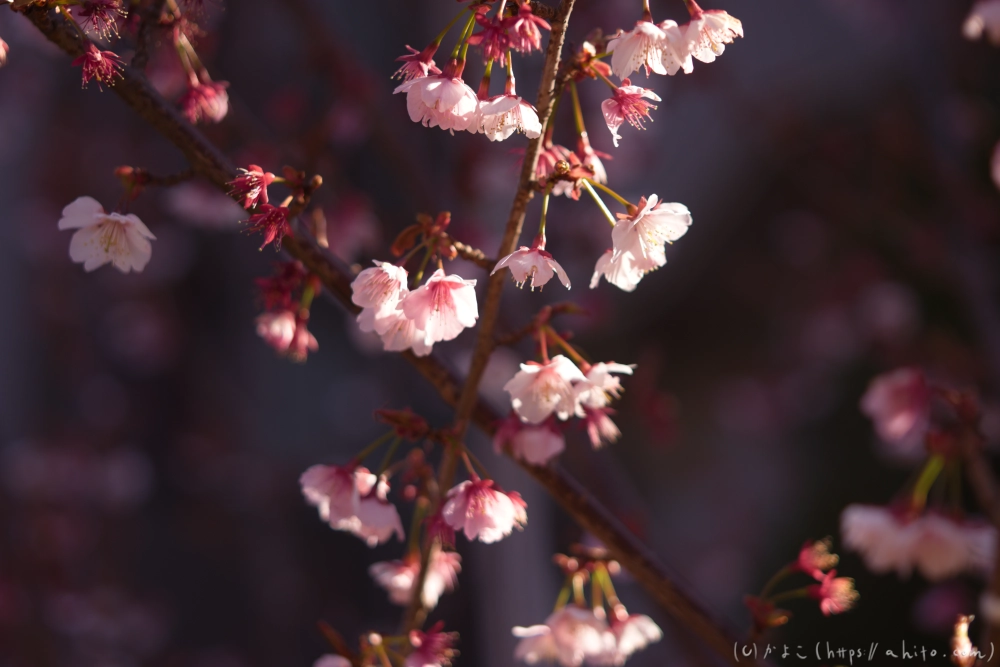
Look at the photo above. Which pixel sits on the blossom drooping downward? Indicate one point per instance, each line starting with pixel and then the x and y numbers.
pixel 539 390
pixel 534 263
pixel 102 238
pixel 483 512
pixel 416 64
pixel 501 116
pixel 205 101
pixel 570 636
pixel 442 307
pixel 709 31
pixel 600 386
pixel 534 444
pixel 899 405
pixel 101 66
pixel 441 100
pixel 835 594
pixel 627 103
pixel 353 500
pixel 640 47
pixel 251 186
pixel 397 577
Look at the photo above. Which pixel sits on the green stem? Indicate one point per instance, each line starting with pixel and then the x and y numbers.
pixel 419 512
pixel 569 349
pixel 791 595
pixel 308 294
pixel 419 275
pixel 600 202
pixel 545 209
pixel 605 79
pixel 379 441
pixel 621 200
pixel 462 46
pixel 564 594
pixel 577 110
pixel 387 459
pixel 773 581
pixel 437 40
pixel 927 478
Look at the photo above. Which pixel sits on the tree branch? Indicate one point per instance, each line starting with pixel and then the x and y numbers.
pixel 210 163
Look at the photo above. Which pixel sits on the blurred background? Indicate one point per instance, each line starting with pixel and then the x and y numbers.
pixel 836 162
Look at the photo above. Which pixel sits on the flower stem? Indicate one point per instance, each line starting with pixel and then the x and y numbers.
pixel 419 512
pixel 773 581
pixel 611 84
pixel 569 349
pixel 545 209
pixel 462 46
pixel 378 442
pixel 484 85
pixel 387 459
pixel 600 202
pixel 419 275
pixel 578 595
pixel 577 110
pixel 621 200
pixel 510 87
pixel 926 480
pixel 564 594
pixel 791 595
pixel 437 40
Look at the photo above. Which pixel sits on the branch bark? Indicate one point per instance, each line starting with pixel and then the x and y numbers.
pixel 210 163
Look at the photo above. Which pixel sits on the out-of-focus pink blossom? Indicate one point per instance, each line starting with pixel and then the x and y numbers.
pixel 205 101
pixel 417 64
pixel 547 161
pixel 570 636
pixel 835 594
pixel 251 186
pixel 303 342
pixel 353 500
pixel 102 238
pixel 442 100
pixel 272 223
pixel 539 390
pixel 483 512
pixel 492 39
pixel 398 576
pixel 899 405
pixel 627 103
pixel 709 31
pixel 983 18
pixel 534 263
pixel 287 334
pixel 442 307
pixel 535 444
pixel 331 660
pixel 4 50
pixel 524 30
pixel 600 428
pixel 501 116
pixel 101 66
pixel 634 633
pixel 937 545
pixel 600 385
pixel 815 558
pixel 432 648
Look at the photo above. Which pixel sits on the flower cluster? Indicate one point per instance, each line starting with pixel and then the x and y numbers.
pixel 287 297
pixel 352 499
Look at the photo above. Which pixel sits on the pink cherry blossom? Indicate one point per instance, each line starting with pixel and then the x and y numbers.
pixel 627 104
pixel 539 390
pixel 101 16
pixel 379 287
pixel 547 160
pixel 600 386
pixel 303 342
pixel 983 18
pixel 278 329
pixel 709 31
pixel 442 100
pixel 398 332
pixel 205 101
pixel 442 307
pixel 331 660
pixel 501 116
pixel 272 223
pixel 643 233
pixel 815 558
pixel 571 636
pixel 591 158
pixel 251 186
pixel 523 30
pixel 634 633
pixel 4 50
pixel 600 429
pixel 534 263
pixel 535 444
pixel 492 39
pixel 417 64
pixel 432 648
pixel 353 500
pixel 899 405
pixel 398 576
pixel 483 512
pixel 101 66
pixel 835 594
pixel 102 238
pixel 642 46
pixel 675 49
pixel 620 270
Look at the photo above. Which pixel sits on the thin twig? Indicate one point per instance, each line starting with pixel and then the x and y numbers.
pixel 210 163
pixel 474 255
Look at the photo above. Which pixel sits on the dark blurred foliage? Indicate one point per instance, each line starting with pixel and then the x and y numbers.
pixel 837 165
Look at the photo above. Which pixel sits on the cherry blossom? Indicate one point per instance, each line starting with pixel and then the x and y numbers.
pixel 4 50
pixel 627 103
pixel 303 342
pixel 501 116
pixel 272 223
pixel 353 500
pixel 492 39
pixel 442 100
pixel 899 404
pixel 643 233
pixel 539 390
pixel 483 512
pixel 101 66
pixel 675 49
pixel 102 238
pixel 280 330
pixel 331 660
pixel 600 429
pixel 835 594
pixel 709 31
pixel 569 636
pixel 534 263
pixel 417 64
pixel 634 633
pixel 205 101
pixel 548 158
pixel 523 30
pixel 442 307
pixel 251 186
pixel 432 648
pixel 620 270
pixel 815 558
pixel 535 444
pixel 938 546
pixel 600 385
pixel 397 331
pixel 983 18
pixel 101 16
pixel 379 287
pixel 398 576
pixel 591 158
pixel 642 46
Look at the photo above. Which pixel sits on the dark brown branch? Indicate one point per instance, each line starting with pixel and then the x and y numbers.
pixel 542 10
pixel 149 19
pixel 210 163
